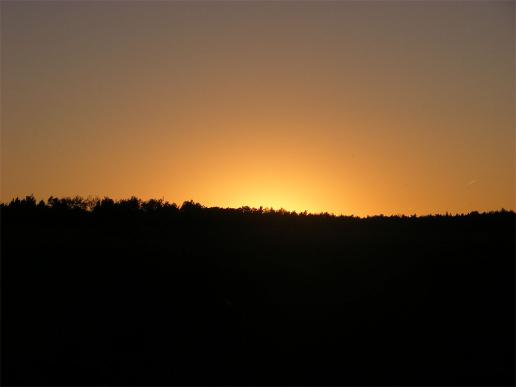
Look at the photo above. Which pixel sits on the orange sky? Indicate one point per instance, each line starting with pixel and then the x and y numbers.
pixel 346 107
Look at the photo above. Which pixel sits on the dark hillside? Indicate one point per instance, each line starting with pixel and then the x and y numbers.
pixel 146 293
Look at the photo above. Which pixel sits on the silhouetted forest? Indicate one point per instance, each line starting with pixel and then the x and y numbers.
pixel 131 292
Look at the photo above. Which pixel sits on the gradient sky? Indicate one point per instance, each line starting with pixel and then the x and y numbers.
pixel 346 107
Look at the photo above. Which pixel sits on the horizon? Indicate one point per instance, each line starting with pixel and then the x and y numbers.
pixel 91 201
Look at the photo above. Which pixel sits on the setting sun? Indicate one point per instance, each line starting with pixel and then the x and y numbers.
pixel 286 192
pixel 345 107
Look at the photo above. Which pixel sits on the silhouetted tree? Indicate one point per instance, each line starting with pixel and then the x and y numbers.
pixel 131 292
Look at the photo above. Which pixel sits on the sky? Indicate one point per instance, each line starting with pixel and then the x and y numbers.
pixel 341 106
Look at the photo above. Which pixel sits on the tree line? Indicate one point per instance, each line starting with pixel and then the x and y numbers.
pixel 160 206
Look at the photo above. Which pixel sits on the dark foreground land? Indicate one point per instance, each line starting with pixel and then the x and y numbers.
pixel 135 293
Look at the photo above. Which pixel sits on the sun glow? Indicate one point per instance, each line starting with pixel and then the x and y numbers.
pixel 276 200
pixel 224 105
